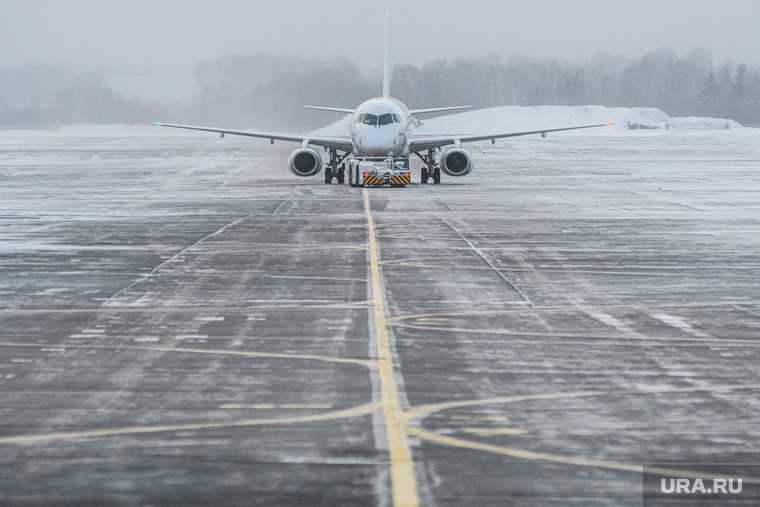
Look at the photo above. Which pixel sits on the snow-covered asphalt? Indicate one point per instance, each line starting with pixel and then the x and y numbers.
pixel 183 322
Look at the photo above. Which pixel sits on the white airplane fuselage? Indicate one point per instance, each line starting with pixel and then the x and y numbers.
pixel 379 128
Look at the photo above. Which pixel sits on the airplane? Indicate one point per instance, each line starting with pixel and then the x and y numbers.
pixel 381 128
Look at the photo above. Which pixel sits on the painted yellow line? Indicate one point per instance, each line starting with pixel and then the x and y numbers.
pixel 421 412
pixel 359 411
pixel 559 458
pixel 272 406
pixel 214 352
pixel 495 432
pixel 403 481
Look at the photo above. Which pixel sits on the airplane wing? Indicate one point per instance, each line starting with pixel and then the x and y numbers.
pixel 333 109
pixel 338 143
pixel 429 142
pixel 438 109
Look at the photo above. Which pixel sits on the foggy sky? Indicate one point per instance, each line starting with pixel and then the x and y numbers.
pixel 154 34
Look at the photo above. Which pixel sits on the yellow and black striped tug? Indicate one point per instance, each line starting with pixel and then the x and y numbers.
pixel 398 180
pixel 402 179
pixel 371 180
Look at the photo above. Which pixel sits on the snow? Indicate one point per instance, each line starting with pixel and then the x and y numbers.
pixel 513 118
pixel 516 118
pixel 509 118
pixel 696 122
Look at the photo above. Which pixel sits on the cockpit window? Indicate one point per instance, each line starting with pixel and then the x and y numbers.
pixel 375 120
pixel 369 119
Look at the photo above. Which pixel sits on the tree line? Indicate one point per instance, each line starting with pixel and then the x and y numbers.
pixel 267 91
pixel 42 96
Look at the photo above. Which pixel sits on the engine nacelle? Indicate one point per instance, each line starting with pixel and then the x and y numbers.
pixel 456 162
pixel 305 162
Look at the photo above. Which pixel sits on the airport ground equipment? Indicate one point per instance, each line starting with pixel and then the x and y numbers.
pixel 373 172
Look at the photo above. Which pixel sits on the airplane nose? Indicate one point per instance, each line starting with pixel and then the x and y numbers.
pixel 379 143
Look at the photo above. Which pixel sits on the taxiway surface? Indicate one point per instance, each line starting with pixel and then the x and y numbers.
pixel 182 322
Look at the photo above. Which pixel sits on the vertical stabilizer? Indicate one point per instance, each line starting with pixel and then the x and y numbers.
pixel 387 60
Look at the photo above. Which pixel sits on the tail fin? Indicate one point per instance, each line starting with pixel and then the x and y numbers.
pixel 387 60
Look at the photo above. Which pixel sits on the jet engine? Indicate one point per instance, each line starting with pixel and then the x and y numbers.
pixel 456 162
pixel 305 162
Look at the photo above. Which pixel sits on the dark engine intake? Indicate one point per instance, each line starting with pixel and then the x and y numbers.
pixel 456 162
pixel 305 162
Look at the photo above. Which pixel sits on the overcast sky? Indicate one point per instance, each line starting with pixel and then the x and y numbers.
pixel 177 33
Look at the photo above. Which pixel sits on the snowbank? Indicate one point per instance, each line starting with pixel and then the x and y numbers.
pixel 698 123
pixel 513 118
pixel 509 118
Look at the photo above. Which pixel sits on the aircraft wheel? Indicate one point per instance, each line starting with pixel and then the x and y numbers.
pixel 328 175
pixel 437 176
pixel 424 176
pixel 341 175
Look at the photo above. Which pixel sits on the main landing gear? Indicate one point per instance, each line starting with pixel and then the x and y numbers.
pixel 430 170
pixel 336 169
pixel 339 175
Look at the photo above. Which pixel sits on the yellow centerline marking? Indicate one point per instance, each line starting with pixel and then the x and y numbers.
pixel 403 481
pixel 185 350
pixel 495 432
pixel 348 413
pixel 559 458
pixel 423 411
